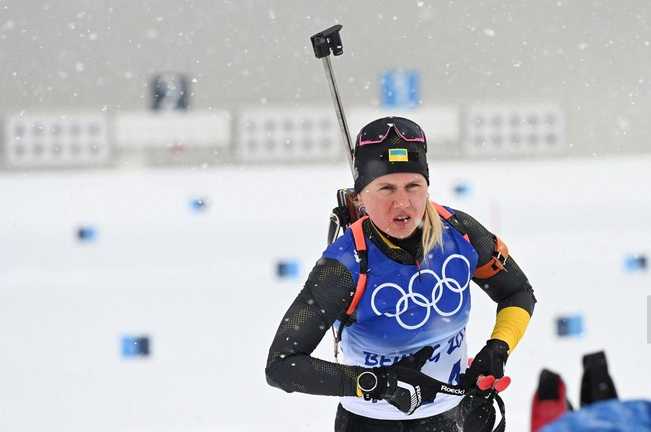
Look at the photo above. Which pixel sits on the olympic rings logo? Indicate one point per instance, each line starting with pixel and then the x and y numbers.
pixel 442 282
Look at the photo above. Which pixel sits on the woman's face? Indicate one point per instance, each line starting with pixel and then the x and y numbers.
pixel 396 202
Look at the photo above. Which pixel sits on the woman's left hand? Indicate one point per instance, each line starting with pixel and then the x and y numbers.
pixel 487 368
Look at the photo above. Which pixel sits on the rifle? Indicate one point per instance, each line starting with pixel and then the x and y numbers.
pixel 325 43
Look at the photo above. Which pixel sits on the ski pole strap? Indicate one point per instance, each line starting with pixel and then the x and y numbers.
pixel 477 412
pixel 457 390
pixel 451 389
pixel 501 426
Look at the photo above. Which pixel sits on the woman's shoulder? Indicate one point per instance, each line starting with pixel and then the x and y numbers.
pixel 343 250
pixel 446 211
pixel 482 239
pixel 470 223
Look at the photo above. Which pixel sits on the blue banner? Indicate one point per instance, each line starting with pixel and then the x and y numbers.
pixel 400 89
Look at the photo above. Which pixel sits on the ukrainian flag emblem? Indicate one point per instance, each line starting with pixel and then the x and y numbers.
pixel 398 155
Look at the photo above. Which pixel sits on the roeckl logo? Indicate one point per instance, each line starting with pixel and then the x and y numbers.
pixel 442 282
pixel 453 390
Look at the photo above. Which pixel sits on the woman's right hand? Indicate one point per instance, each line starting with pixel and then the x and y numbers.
pixel 401 384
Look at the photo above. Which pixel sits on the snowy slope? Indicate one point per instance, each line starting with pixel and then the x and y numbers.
pixel 202 285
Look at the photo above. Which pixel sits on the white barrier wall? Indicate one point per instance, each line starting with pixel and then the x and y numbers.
pixel 277 134
pixel 514 130
pixel 188 258
pixel 165 129
pixel 48 139
pixel 284 134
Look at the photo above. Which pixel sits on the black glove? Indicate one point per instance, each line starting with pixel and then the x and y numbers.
pixel 489 361
pixel 401 384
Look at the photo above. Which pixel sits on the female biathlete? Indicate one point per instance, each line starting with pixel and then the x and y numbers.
pixel 395 287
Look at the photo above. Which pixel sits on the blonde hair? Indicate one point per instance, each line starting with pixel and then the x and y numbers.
pixel 432 229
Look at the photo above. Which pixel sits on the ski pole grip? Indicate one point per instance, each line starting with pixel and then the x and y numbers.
pixel 327 41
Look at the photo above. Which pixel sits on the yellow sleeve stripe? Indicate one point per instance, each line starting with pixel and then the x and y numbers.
pixel 510 325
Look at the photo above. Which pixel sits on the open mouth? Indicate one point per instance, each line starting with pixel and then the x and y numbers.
pixel 401 219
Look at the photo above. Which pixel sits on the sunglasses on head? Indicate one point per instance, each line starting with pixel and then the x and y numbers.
pixel 377 131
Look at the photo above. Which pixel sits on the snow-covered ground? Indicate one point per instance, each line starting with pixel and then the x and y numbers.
pixel 203 286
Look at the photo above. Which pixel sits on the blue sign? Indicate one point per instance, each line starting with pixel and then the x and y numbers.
pixel 198 204
pixel 135 346
pixel 635 263
pixel 462 189
pixel 400 89
pixel 569 326
pixel 86 234
pixel 287 269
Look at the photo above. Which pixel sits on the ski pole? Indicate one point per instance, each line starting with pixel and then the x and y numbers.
pixel 324 43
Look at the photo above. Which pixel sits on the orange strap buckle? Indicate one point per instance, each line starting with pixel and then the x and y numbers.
pixel 496 263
